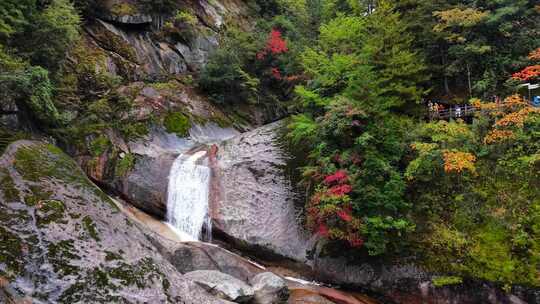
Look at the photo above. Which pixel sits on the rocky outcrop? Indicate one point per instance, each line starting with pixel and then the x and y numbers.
pixel 142 44
pixel 269 289
pixel 222 285
pixel 255 206
pixel 63 241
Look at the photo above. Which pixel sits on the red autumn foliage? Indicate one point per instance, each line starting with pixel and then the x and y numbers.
pixel 323 230
pixel 274 45
pixel 340 190
pixel 339 177
pixel 355 241
pixel 528 73
pixel 344 215
pixel 276 73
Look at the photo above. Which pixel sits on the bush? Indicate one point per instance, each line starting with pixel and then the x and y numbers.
pixel 177 123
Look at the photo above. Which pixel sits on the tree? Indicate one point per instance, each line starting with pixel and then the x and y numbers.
pixel 51 35
pixel 32 90
pixel 388 48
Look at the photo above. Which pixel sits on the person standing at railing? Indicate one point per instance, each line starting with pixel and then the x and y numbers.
pixel 458 111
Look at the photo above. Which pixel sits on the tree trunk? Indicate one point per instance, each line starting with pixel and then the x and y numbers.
pixel 444 63
pixel 469 79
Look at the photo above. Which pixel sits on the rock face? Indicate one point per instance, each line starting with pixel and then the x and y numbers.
pixel 222 285
pixel 269 289
pixel 139 46
pixel 145 182
pixel 254 206
pixel 63 241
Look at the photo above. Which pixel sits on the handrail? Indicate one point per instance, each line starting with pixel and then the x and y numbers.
pixel 464 111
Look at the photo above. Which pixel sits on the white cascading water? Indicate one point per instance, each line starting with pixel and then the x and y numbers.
pixel 188 195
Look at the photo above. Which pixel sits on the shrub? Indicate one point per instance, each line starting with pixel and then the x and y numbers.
pixel 177 123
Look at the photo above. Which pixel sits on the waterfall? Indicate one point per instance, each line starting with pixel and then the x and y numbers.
pixel 188 194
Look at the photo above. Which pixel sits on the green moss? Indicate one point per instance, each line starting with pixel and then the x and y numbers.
pixel 111 256
pixel 96 285
pixel 7 137
pixel 124 165
pixel 186 17
pixel 99 145
pixel 37 195
pixel 50 211
pixel 60 255
pixel 121 9
pixel 11 251
pixel 39 162
pixel 115 43
pixel 100 107
pixel 7 186
pixel 134 275
pixel 178 123
pixel 134 130
pixel 90 228
pixel 445 281
pixel 171 85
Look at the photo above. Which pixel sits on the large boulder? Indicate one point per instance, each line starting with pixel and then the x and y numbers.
pixel 222 285
pixel 62 240
pixel 254 206
pixel 269 289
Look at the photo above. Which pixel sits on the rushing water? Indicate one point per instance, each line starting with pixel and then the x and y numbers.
pixel 187 200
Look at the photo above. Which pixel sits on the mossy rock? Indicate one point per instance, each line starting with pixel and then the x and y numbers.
pixel 177 123
pixel 64 233
pixel 50 211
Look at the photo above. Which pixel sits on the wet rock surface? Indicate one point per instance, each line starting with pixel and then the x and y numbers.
pixel 63 241
pixel 269 289
pixel 255 204
pixel 222 285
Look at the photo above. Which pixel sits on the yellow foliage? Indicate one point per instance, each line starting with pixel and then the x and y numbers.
pixel 497 136
pixel 456 17
pixel 516 118
pixel 458 162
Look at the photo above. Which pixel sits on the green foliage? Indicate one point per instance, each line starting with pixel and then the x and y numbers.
pixel 122 9
pixel 445 281
pixel 224 77
pixel 99 145
pixel 32 89
pixel 13 16
pixel 186 17
pixel 178 123
pixel 124 165
pixel 478 224
pixel 51 34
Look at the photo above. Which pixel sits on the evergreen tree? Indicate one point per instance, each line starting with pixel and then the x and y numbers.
pixel 388 48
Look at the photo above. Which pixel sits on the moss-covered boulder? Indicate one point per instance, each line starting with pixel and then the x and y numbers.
pixel 62 240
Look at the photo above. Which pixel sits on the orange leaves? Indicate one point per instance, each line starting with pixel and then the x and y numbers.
pixel 458 162
pixel 528 73
pixel 535 55
pixel 511 114
pixel 496 135
pixel 516 118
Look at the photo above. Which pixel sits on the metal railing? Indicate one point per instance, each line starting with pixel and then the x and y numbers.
pixel 464 111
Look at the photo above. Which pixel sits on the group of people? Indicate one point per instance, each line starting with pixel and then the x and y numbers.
pixel 435 108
